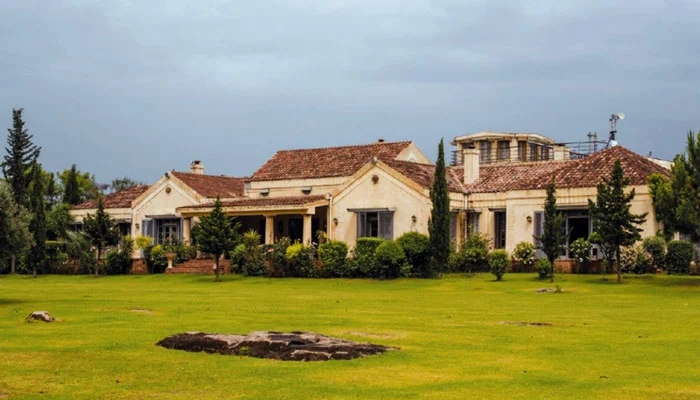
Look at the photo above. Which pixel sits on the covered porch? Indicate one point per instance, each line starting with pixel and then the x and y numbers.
pixel 297 218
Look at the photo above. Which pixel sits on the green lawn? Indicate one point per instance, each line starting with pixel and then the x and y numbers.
pixel 640 340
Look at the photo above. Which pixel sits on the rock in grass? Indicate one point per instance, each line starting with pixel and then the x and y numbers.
pixel 545 290
pixel 294 346
pixel 42 316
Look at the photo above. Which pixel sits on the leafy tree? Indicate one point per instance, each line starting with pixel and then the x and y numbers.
pixel 101 231
pixel 15 237
pixel 123 183
pixel 216 234
pixel 21 153
pixel 553 235
pixel 439 224
pixel 78 187
pixel 612 218
pixel 37 226
pixel 58 222
pixel 677 201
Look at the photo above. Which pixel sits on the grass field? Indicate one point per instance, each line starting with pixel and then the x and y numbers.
pixel 640 340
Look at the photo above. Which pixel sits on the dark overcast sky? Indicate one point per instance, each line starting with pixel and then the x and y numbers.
pixel 139 87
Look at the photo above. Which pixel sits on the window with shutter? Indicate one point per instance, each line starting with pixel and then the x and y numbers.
pixel 386 225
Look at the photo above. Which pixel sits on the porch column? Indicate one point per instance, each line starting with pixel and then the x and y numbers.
pixel 269 229
pixel 187 231
pixel 307 238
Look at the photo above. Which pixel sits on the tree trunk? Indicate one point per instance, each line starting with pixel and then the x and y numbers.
pixel 619 273
pixel 216 267
pixel 97 263
pixel 34 271
pixel 551 271
pixel 13 263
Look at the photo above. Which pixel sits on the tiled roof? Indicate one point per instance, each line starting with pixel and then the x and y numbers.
pixel 325 162
pixel 120 199
pixel 211 186
pixel 423 174
pixel 264 201
pixel 585 172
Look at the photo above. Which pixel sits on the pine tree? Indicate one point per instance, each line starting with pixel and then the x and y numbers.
pixel 677 201
pixel 15 237
pixel 71 189
pixel 612 219
pixel 216 234
pixel 101 231
pixel 37 226
pixel 120 184
pixel 553 235
pixel 21 152
pixel 439 224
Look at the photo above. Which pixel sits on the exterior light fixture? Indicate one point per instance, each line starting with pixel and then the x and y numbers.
pixel 335 221
pixel 529 219
pixel 414 219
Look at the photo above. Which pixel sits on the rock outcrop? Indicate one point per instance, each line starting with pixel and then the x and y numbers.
pixel 43 316
pixel 294 346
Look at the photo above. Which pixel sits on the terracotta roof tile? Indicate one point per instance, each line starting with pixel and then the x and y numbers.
pixel 585 172
pixel 120 199
pixel 211 186
pixel 264 201
pixel 423 174
pixel 325 162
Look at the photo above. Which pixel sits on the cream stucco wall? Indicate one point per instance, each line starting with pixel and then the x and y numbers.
pixel 388 192
pixel 158 202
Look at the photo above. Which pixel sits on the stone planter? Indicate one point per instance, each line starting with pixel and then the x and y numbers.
pixel 170 255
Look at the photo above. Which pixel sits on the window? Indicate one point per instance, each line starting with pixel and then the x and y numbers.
pixel 499 218
pixel 522 151
pixel 485 152
pixel 473 222
pixel 453 227
pixel 533 151
pixel 168 230
pixel 503 150
pixel 375 224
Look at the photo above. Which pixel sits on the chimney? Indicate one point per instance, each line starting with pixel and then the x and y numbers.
pixel 197 168
pixel 471 164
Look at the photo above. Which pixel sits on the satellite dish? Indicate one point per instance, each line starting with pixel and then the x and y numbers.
pixel 621 115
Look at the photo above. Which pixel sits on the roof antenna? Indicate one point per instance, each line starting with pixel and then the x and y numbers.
pixel 613 129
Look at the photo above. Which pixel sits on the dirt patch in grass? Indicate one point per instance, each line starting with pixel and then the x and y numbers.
pixel 519 323
pixel 143 311
pixel 294 346
pixel 371 335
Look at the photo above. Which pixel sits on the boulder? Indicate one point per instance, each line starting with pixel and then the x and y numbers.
pixel 43 316
pixel 293 346
pixel 545 290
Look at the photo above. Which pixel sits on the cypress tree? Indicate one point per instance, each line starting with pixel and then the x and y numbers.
pixel 101 231
pixel 439 224
pixel 553 236
pixel 15 237
pixel 216 234
pixel 612 219
pixel 71 189
pixel 37 226
pixel 21 153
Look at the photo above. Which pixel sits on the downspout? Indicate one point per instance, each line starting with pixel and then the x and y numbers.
pixel 329 221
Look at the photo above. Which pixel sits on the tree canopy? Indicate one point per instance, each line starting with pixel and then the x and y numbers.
pixel 553 235
pixel 216 234
pixel 100 230
pixel 21 153
pixel 15 236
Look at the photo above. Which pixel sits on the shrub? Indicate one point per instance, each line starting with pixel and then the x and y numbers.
pixel 334 256
pixel 276 256
pixel 498 263
pixel 156 262
pixel 525 253
pixel 474 252
pixel 679 254
pixel 253 259
pixel 628 259
pixel 302 261
pixel 142 242
pixel 364 255
pixel 416 247
pixel 543 267
pixel 644 261
pixel 580 252
pixel 656 247
pixel 237 258
pixel 184 253
pixel 119 260
pixel 390 258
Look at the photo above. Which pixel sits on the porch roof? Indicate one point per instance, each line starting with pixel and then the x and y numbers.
pixel 261 204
